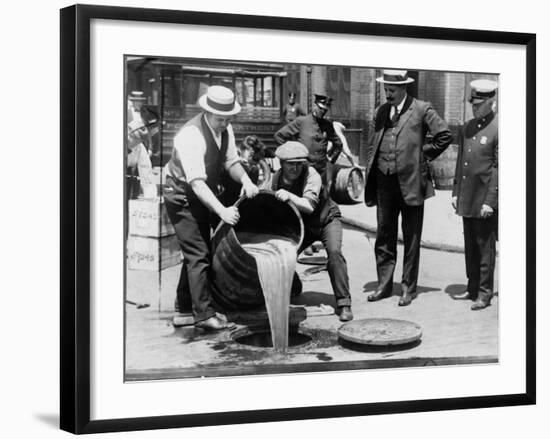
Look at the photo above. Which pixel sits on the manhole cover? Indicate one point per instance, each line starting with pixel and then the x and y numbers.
pixel 380 332
pixel 263 339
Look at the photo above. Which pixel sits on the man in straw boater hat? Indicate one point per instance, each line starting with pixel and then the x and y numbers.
pixel 203 149
pixel 299 183
pixel 398 179
pixel 475 192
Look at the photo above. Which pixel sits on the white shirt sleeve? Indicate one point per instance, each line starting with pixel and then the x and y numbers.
pixel 191 148
pixel 231 156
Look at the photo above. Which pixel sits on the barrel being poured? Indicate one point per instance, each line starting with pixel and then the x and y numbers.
pixel 254 262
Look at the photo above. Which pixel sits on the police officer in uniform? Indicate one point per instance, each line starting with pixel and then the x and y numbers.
pixel 475 192
pixel 315 132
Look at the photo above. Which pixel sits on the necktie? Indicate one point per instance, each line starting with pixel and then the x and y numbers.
pixel 395 116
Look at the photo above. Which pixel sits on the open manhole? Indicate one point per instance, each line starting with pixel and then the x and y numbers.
pixel 262 339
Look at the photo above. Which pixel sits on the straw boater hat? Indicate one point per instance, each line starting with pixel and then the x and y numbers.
pixel 219 100
pixel 395 77
pixel 137 96
pixel 481 90
pixel 292 151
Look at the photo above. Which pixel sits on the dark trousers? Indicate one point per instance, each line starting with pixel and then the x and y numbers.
pixel 192 224
pixel 390 204
pixel 480 253
pixel 331 237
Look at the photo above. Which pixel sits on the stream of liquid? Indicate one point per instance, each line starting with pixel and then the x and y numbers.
pixel 276 261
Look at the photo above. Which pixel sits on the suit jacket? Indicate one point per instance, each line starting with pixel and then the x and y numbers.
pixel 314 134
pixel 417 118
pixel 476 175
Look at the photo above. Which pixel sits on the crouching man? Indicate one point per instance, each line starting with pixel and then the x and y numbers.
pixel 300 184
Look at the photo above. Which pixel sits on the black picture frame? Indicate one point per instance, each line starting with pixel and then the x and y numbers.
pixel 75 217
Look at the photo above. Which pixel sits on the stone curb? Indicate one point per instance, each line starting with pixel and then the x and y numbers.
pixel 426 244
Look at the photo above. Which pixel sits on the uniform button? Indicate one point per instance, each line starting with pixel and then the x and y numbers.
pixel 474 137
pixel 479 126
pixel 463 177
pixel 465 163
pixel 469 150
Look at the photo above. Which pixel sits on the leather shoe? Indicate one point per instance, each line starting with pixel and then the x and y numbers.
pixel 377 295
pixel 345 313
pixel 465 295
pixel 481 302
pixel 405 299
pixel 214 323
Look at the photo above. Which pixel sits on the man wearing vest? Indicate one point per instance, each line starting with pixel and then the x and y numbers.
pixel 475 192
pixel 300 184
pixel 203 149
pixel 398 179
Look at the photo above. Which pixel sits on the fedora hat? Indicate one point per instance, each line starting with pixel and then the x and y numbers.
pixel 396 77
pixel 219 100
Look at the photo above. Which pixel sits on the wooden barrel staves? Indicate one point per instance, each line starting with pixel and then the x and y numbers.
pixel 348 185
pixel 443 168
pixel 234 274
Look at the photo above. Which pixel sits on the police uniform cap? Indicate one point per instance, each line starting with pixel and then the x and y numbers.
pixel 482 89
pixel 322 101
pixel 292 151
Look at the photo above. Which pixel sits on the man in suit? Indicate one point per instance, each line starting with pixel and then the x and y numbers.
pixel 398 179
pixel 475 192
pixel 203 149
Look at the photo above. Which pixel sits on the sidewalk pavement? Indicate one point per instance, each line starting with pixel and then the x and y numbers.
pixel 442 228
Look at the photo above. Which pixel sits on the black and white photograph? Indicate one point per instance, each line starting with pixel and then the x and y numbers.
pixel 301 218
pixel 274 219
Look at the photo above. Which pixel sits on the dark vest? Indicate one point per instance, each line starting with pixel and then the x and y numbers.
pixel 214 159
pixel 326 209
pixel 386 162
pixel 386 153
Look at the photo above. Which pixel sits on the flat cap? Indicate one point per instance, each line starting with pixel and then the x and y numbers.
pixel 482 89
pixel 292 151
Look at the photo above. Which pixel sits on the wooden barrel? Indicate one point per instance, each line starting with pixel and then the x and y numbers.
pixel 234 274
pixel 443 168
pixel 348 185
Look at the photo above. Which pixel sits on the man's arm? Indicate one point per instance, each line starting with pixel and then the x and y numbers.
pixel 289 132
pixel 337 144
pixel 237 173
pixel 229 215
pixel 307 203
pixel 492 194
pixel 439 129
